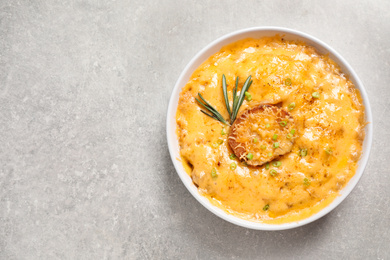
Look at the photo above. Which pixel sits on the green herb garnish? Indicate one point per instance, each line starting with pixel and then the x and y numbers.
pixel 277 164
pixel 217 143
pixel 233 166
pixel 266 207
pixel 225 94
pixel 249 156
pixel 214 113
pixel 291 106
pixel 248 96
pixel 288 82
pixel 315 95
pixel 283 123
pixel 213 173
pixel 237 101
pixel 303 152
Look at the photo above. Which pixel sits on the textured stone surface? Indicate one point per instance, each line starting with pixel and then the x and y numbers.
pixel 84 166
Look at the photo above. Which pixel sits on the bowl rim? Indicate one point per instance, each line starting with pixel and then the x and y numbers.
pixel 173 143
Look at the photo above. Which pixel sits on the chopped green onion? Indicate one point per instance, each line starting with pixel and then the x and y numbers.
pixel 248 96
pixel 291 106
pixel 232 156
pixel 263 147
pixel 315 95
pixel 292 131
pixel 283 123
pixel 329 151
pixel 223 132
pixel 303 152
pixel 306 182
pixel 277 164
pixel 269 154
pixel 267 166
pixel 267 126
pixel 213 173
pixel 266 207
pixel 255 140
pixel 276 145
pixel 287 82
pixel 249 156
pixel 289 136
pixel 233 166
pixel 217 143
pixel 275 137
pixel 273 172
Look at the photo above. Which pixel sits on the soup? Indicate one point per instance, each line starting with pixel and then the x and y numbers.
pixel 324 131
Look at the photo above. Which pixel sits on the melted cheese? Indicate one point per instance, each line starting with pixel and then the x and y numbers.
pixel 334 121
pixel 258 130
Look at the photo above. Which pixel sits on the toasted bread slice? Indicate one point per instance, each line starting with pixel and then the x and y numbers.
pixel 261 134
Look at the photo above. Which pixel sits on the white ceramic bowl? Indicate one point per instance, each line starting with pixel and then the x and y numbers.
pixel 214 47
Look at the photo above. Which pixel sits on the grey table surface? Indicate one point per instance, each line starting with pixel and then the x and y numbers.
pixel 85 171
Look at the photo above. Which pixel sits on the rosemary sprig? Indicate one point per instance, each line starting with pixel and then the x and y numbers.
pixel 225 95
pixel 235 94
pixel 214 113
pixel 237 101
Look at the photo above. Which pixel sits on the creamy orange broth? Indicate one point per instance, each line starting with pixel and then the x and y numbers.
pixel 333 121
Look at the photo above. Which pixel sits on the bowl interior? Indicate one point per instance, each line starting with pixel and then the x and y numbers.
pixel 214 47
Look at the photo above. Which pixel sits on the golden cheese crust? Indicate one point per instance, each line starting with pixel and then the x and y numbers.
pixel 261 134
pixel 323 106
